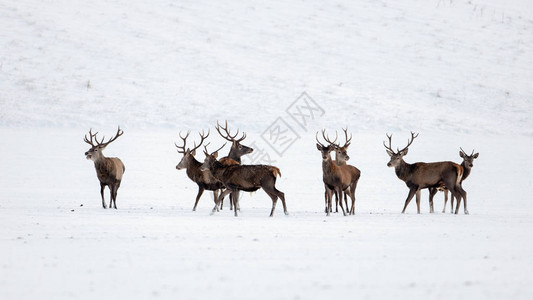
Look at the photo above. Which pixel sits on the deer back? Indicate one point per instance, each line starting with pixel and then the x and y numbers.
pixel 426 175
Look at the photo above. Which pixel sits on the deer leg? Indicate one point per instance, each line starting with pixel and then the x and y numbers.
pixel 329 199
pixel 445 201
pixel 281 195
pixel 215 197
pixel 326 199
pixel 451 202
pixel 112 196
pixel 412 192
pixel 224 193
pixel 200 192
pixel 432 192
pixel 274 200
pixel 336 201
pixel 341 192
pixel 235 201
pixel 463 195
pixel 457 197
pixel 352 195
pixel 102 186
pixel 115 196
pixel 418 193
pixel 346 201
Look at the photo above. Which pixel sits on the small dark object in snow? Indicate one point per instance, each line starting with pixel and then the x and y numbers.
pixel 71 210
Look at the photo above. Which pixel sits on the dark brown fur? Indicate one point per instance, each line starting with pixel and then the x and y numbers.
pixel 247 178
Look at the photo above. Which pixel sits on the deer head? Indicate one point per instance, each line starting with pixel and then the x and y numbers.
pixel 95 152
pixel 210 159
pixel 188 154
pixel 326 150
pixel 468 159
pixel 341 152
pixel 237 149
pixel 397 157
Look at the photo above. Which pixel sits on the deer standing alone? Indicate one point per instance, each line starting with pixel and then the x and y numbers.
pixel 204 179
pixel 467 164
pixel 247 178
pixel 109 170
pixel 422 175
pixel 336 178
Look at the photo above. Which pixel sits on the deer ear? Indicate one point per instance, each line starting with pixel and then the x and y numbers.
pixel 476 155
pixel 404 152
pixel 461 154
pixel 390 153
pixel 193 153
pixel 318 147
pixel 215 154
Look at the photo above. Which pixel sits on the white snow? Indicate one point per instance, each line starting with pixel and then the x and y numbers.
pixel 457 72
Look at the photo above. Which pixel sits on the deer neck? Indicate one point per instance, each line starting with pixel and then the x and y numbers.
pixel 328 166
pixel 466 170
pixel 403 170
pixel 233 155
pixel 193 167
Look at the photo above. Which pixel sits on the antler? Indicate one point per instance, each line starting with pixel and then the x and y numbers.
pixel 101 142
pixel 409 142
pixel 228 135
pixel 119 133
pixel 92 136
pixel 390 143
pixel 207 152
pixel 203 136
pixel 327 138
pixel 464 152
pixel 348 140
pixel 181 149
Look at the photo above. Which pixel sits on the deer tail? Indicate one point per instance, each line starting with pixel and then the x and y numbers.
pixel 276 171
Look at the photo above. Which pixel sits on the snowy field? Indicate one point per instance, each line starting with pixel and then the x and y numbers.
pixel 457 72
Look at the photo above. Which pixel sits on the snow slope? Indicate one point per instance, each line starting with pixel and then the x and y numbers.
pixel 458 72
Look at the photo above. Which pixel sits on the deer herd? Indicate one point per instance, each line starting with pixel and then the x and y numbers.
pixel 227 176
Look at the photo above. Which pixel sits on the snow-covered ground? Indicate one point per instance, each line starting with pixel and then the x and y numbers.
pixel 457 72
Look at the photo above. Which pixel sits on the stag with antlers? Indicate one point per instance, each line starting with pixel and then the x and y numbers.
pixel 236 151
pixel 422 175
pixel 247 178
pixel 109 170
pixel 336 178
pixel 467 164
pixel 341 158
pixel 204 179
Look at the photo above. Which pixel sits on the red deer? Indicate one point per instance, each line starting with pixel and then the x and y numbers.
pixel 422 175
pixel 109 170
pixel 341 157
pixel 236 151
pixel 247 178
pixel 336 179
pixel 467 164
pixel 204 179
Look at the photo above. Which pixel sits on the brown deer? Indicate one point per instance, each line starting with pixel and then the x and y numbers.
pixel 109 170
pixel 467 164
pixel 341 157
pixel 236 151
pixel 422 175
pixel 247 178
pixel 336 179
pixel 204 179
